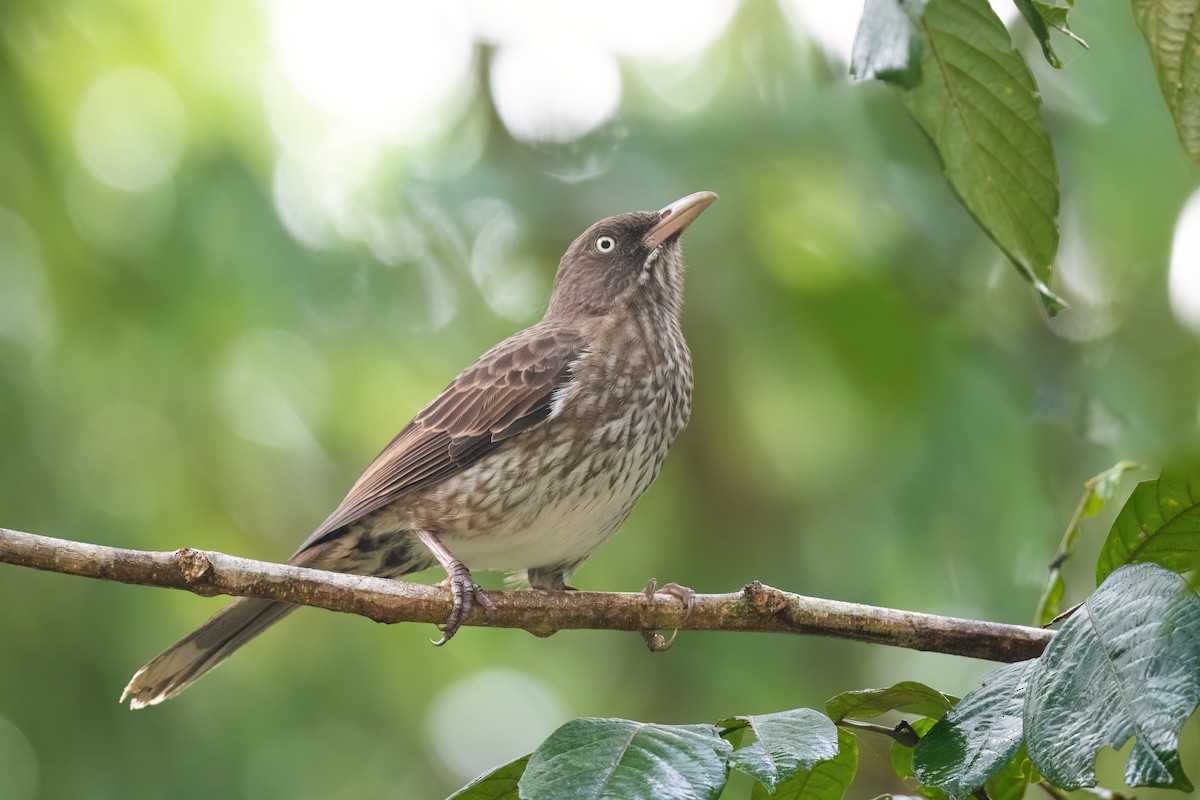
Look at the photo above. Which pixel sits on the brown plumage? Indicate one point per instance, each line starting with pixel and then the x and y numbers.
pixel 527 462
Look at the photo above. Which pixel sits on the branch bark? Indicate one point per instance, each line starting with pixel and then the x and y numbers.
pixel 755 608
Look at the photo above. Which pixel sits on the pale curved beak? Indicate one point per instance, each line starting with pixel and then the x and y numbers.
pixel 676 217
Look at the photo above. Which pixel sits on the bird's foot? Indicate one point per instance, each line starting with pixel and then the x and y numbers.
pixel 463 590
pixel 465 593
pixel 656 642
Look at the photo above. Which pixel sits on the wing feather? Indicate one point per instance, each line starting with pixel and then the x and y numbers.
pixel 508 391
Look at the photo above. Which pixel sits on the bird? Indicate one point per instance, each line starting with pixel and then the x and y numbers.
pixel 526 463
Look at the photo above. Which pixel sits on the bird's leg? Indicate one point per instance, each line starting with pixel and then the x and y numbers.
pixel 463 589
pixel 552 578
pixel 655 641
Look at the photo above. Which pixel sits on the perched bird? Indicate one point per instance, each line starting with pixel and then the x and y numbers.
pixel 527 462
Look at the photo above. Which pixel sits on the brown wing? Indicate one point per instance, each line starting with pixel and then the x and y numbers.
pixel 507 391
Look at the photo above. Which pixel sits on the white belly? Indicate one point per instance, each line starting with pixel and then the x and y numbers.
pixel 564 533
pixel 554 525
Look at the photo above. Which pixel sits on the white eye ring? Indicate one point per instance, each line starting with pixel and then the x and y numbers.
pixel 605 244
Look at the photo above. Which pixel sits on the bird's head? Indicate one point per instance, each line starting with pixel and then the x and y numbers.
pixel 628 261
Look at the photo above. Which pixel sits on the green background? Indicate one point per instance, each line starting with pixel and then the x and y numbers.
pixel 881 414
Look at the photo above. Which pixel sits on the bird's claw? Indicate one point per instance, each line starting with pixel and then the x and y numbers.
pixel 656 642
pixel 465 593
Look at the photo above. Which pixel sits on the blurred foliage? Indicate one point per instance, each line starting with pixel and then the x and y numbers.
pixel 208 352
pixel 1097 490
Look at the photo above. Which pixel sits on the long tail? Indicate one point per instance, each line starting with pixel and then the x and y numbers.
pixel 183 663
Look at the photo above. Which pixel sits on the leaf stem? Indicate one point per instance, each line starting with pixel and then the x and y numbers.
pixel 902 733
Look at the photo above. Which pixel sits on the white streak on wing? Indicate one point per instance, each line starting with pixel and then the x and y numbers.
pixel 563 395
pixel 558 400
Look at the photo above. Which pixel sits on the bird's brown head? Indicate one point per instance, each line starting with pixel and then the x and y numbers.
pixel 628 261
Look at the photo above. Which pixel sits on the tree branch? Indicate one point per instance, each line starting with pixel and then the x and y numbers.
pixel 756 608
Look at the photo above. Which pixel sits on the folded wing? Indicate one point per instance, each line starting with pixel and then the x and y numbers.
pixel 508 391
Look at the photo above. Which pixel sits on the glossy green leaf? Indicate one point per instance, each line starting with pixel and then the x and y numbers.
pixel 1011 782
pixel 1126 664
pixel 908 697
pixel 827 780
pixel 978 104
pixel 1160 523
pixel 618 759
pixel 978 738
pixel 1172 32
pixel 887 45
pixel 499 784
pixel 902 754
pixel 785 743
pixel 1097 490
pixel 902 762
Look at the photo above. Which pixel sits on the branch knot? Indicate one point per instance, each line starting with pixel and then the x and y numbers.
pixel 766 600
pixel 194 564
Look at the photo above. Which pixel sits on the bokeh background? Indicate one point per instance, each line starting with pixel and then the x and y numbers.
pixel 241 244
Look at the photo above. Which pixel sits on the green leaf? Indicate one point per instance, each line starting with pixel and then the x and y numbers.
pixel 1037 23
pixel 1012 781
pixel 787 742
pixel 1172 32
pixel 906 697
pixel 887 45
pixel 827 780
pixel 1041 17
pixel 1102 488
pixel 1097 490
pixel 499 784
pixel 1054 12
pixel 1050 604
pixel 902 762
pixel 1160 523
pixel 902 755
pixel 980 735
pixel 978 104
pixel 1127 664
pixel 617 759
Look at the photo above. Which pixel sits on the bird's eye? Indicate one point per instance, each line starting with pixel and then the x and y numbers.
pixel 605 244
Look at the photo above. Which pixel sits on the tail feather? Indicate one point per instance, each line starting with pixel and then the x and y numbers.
pixel 188 659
